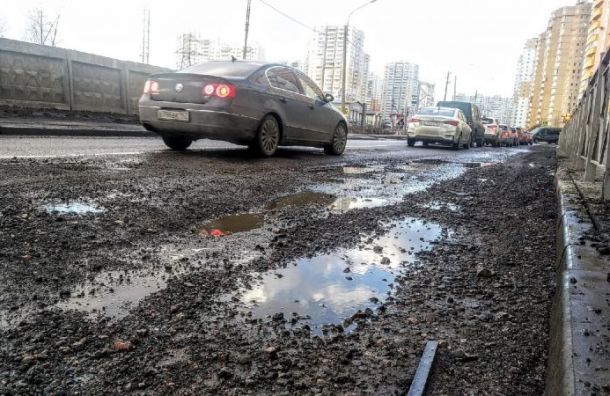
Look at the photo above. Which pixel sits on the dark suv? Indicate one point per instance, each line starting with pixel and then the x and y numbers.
pixel 546 134
pixel 473 117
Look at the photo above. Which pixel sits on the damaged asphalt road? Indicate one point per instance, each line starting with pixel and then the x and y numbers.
pixel 219 273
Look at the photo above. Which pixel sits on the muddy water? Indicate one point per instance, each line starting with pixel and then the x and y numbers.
pixel 232 224
pixel 113 293
pixel 330 288
pixel 303 198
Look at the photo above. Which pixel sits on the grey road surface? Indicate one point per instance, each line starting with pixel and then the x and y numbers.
pixel 57 146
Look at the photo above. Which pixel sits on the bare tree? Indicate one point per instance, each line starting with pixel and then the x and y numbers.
pixel 41 28
pixel 3 27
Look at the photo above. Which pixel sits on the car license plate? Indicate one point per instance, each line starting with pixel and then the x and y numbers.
pixel 173 115
pixel 430 123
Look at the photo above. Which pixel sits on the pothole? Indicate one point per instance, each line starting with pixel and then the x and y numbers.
pixel 114 293
pixel 332 289
pixel 232 224
pixel 301 199
pixel 75 208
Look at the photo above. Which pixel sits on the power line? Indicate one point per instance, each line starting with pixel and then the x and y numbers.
pixel 293 19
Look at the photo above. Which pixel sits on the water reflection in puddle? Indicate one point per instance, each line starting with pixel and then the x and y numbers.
pixel 233 223
pixel 360 170
pixel 327 289
pixel 358 193
pixel 341 205
pixel 72 208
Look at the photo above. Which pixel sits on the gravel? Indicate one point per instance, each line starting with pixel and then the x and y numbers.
pixel 484 291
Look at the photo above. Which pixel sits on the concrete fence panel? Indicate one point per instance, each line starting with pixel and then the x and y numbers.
pixel 48 77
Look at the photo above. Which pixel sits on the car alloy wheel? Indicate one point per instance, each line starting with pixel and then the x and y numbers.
pixel 338 142
pixel 268 137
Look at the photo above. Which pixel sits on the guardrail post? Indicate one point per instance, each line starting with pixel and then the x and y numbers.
pixel 593 124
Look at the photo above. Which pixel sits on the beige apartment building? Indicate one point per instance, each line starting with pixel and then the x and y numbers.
pixel 598 40
pixel 559 62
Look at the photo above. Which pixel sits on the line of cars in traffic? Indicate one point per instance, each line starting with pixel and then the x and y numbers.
pixel 265 106
pixel 460 125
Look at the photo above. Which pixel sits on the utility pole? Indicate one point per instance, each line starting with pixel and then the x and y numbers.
pixel 247 29
pixel 446 85
pixel 146 37
pixel 344 73
pixel 454 87
pixel 345 33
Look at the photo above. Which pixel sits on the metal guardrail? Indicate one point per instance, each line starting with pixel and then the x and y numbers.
pixel 584 140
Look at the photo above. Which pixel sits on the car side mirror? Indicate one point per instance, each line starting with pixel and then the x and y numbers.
pixel 328 98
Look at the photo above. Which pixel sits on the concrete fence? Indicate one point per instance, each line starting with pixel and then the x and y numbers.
pixel 38 76
pixel 585 138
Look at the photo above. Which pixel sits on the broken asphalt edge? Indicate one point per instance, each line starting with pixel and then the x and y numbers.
pixel 580 284
pixel 115 130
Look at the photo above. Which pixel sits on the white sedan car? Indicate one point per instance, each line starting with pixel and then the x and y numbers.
pixel 439 125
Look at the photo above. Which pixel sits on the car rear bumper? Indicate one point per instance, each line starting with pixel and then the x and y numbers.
pixel 203 123
pixel 491 138
pixel 432 139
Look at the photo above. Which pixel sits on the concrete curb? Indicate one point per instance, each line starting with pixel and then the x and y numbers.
pixel 574 360
pixel 77 129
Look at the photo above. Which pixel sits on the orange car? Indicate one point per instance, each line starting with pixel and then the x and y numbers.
pixel 507 137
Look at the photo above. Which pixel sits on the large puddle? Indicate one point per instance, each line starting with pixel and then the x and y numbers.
pixel 329 289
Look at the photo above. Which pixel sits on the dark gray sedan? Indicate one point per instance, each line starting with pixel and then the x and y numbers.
pixel 250 103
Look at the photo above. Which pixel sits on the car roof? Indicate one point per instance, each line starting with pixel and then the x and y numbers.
pixel 230 69
pixel 441 108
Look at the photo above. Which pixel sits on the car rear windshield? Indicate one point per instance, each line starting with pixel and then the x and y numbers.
pixel 223 69
pixel 464 106
pixel 487 121
pixel 435 111
pixel 504 127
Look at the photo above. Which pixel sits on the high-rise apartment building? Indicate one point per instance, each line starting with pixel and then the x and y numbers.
pixel 374 92
pixel 523 83
pixel 192 49
pixel 559 61
pixel 426 95
pixel 324 62
pixel 400 89
pixel 598 40
pixel 493 106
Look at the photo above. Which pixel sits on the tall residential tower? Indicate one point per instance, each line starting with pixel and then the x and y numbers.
pixel 523 83
pixel 559 61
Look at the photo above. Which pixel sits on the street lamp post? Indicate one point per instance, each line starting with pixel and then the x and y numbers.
pixel 345 33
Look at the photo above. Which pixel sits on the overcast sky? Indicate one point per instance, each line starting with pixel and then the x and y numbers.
pixel 478 40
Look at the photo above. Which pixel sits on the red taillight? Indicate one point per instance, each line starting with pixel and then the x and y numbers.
pixel 452 122
pixel 493 127
pixel 220 90
pixel 414 120
pixel 151 87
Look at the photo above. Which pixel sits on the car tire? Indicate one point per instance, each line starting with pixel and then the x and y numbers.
pixel 410 142
pixel 267 137
pixel 467 145
pixel 425 144
pixel 178 143
pixel 456 146
pixel 338 142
